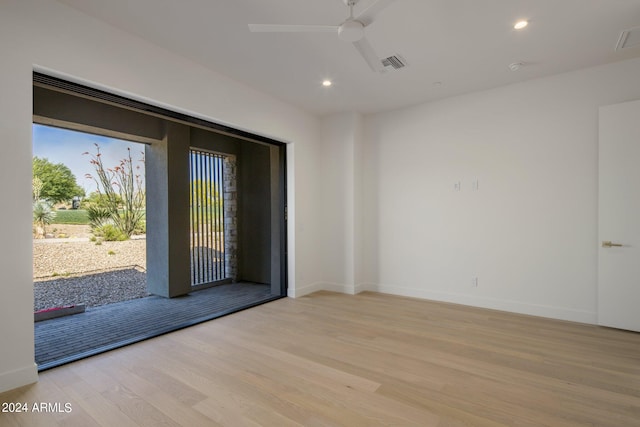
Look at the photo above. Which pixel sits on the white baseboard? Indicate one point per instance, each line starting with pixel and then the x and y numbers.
pixel 301 291
pixel 18 378
pixel 325 286
pixel 560 313
pixel 339 287
pixel 362 287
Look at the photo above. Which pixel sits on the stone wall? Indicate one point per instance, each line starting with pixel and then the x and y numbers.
pixel 230 217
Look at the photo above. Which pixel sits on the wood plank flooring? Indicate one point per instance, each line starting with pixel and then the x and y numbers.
pixel 366 360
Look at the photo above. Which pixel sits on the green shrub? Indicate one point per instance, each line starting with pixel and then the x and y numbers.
pixel 110 233
pixel 98 216
pixel 141 227
pixel 43 213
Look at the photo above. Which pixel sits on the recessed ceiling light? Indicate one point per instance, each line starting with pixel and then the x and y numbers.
pixel 520 24
pixel 326 83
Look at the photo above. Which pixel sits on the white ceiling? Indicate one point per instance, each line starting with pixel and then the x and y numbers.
pixel 466 45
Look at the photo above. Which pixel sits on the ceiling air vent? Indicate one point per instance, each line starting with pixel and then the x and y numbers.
pixel 629 38
pixel 396 62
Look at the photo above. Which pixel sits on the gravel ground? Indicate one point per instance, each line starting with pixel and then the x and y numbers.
pixel 91 290
pixel 58 257
pixel 77 271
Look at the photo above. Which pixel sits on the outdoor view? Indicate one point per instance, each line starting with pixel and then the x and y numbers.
pixel 89 225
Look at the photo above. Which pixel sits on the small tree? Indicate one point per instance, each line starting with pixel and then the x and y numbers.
pixel 58 184
pixel 121 190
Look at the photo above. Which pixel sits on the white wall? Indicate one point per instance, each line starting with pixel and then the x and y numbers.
pixel 49 36
pixel 529 233
pixel 340 201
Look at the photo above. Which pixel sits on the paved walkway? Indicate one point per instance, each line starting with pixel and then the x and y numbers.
pixel 65 339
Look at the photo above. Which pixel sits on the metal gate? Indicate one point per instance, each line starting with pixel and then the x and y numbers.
pixel 207 217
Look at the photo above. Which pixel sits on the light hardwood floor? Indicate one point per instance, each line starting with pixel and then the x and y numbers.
pixel 366 360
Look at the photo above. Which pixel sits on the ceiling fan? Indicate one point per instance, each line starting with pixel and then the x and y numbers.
pixel 351 30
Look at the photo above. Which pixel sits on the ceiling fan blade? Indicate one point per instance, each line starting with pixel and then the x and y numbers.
pixel 366 50
pixel 369 14
pixel 269 28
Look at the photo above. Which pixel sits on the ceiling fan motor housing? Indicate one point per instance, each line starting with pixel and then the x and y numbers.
pixel 351 31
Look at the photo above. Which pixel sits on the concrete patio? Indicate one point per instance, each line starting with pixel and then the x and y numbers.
pixel 99 329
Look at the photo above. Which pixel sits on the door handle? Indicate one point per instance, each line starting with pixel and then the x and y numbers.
pixel 608 244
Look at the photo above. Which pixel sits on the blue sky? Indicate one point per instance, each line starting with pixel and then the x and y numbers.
pixel 66 147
